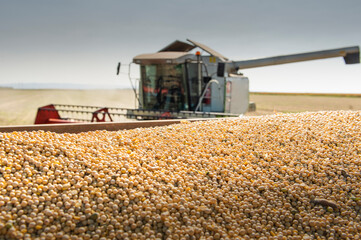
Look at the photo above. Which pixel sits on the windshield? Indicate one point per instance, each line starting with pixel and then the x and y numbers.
pixel 163 87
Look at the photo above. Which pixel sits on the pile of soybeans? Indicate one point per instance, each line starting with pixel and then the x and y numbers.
pixel 287 176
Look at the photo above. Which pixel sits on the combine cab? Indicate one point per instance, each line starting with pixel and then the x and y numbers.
pixel 178 82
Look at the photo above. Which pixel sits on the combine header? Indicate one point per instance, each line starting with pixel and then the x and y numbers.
pixel 177 83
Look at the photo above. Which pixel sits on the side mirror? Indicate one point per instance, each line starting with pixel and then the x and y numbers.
pixel 118 68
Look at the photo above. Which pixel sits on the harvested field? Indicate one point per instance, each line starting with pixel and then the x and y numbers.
pixel 18 107
pixel 269 103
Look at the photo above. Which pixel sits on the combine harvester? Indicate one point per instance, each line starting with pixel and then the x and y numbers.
pixel 178 84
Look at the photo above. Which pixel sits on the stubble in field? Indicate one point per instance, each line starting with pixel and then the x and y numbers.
pixel 269 103
pixel 19 107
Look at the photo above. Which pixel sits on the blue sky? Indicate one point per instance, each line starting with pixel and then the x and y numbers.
pixel 81 41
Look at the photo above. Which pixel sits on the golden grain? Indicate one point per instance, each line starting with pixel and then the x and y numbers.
pixel 287 176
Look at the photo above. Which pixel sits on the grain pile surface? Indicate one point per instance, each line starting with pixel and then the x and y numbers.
pixel 292 176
